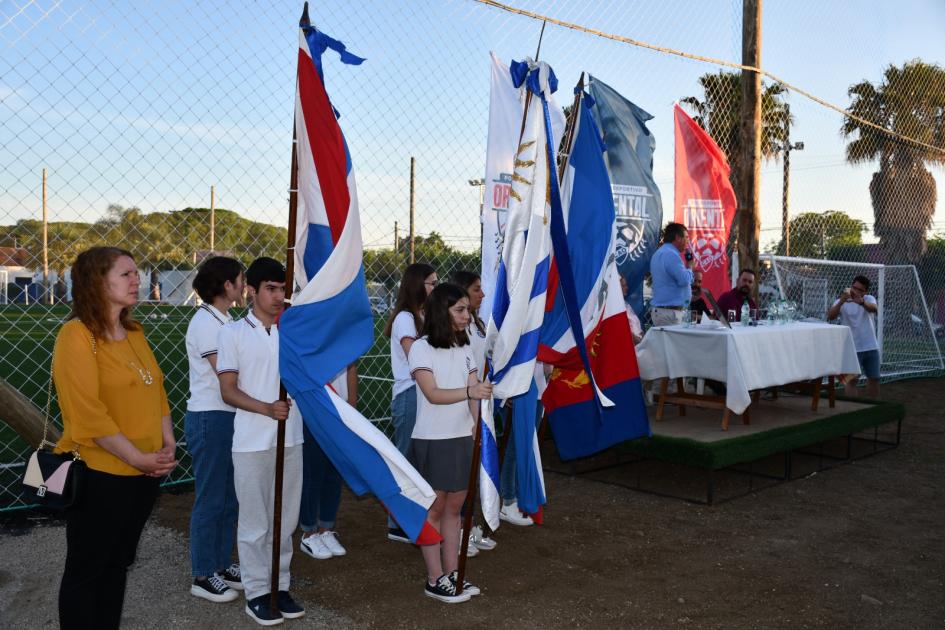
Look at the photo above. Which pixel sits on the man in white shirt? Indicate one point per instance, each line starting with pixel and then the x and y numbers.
pixel 856 309
pixel 248 368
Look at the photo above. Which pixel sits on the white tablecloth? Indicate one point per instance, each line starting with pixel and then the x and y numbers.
pixel 748 357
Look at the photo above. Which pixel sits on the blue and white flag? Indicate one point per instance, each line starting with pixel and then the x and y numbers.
pixel 518 305
pixel 637 201
pixel 330 323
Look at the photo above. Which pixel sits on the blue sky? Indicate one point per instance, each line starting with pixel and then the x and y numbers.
pixel 151 103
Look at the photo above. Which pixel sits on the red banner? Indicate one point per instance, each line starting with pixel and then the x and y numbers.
pixel 704 200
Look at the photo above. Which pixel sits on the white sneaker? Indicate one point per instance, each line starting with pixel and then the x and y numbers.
pixel 314 547
pixel 511 514
pixel 330 542
pixel 483 543
pixel 471 550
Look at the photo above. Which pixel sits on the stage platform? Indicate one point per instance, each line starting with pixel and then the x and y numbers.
pixel 784 441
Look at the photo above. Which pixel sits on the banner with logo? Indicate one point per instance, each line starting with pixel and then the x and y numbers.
pixel 637 201
pixel 506 109
pixel 704 200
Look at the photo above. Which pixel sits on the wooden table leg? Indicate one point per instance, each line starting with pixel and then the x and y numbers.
pixel 815 394
pixel 664 384
pixel 746 416
pixel 832 393
pixel 681 389
pixel 725 417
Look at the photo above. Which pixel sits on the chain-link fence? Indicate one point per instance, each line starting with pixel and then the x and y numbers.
pixel 118 120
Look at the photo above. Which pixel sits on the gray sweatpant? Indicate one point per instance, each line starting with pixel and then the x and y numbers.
pixel 254 477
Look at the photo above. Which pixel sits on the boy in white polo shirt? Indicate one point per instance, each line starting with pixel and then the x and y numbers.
pixel 248 368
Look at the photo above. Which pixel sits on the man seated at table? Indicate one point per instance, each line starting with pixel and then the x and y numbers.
pixel 733 300
pixel 697 301
pixel 856 308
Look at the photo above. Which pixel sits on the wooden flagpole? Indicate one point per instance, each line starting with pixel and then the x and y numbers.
pixel 470 503
pixel 283 395
pixel 473 486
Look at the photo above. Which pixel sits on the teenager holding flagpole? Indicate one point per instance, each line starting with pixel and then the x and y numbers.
pixel 441 446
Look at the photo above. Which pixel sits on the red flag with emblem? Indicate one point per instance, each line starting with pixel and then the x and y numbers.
pixel 704 200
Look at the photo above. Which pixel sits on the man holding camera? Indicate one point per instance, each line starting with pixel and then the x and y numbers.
pixel 672 280
pixel 856 309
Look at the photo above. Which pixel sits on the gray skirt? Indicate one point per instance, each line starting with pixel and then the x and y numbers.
pixel 444 464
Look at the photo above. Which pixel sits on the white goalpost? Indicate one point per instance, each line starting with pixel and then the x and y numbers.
pixel 910 342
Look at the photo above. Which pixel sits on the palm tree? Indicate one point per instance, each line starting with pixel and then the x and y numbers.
pixel 909 103
pixel 719 113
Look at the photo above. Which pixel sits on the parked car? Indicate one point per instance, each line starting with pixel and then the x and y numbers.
pixel 379 305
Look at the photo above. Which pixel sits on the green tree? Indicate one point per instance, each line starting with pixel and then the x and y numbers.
pixel 816 234
pixel 909 102
pixel 719 113
pixel 386 266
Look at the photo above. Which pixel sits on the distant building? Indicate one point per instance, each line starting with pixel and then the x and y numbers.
pixel 15 278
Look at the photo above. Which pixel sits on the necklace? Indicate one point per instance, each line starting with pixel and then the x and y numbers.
pixel 142 371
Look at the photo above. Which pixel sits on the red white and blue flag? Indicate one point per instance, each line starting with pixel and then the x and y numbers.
pixel 594 397
pixel 330 323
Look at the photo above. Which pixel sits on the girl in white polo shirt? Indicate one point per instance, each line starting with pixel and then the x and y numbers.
pixel 208 427
pixel 403 328
pixel 442 441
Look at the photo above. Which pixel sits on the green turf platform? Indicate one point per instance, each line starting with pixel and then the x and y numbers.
pixel 777 426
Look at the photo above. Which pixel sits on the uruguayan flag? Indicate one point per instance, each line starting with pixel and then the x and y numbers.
pixel 521 282
pixel 519 298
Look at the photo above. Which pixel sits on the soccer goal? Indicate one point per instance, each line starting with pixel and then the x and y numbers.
pixel 910 342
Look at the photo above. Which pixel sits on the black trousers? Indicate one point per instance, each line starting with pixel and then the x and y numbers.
pixel 101 540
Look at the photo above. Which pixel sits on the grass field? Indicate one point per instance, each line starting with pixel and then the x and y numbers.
pixel 27 336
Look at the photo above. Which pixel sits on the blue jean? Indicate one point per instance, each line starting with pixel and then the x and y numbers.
pixel 321 487
pixel 507 486
pixel 869 363
pixel 404 416
pixel 213 519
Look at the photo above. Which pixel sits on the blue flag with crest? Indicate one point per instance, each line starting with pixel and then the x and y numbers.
pixel 637 201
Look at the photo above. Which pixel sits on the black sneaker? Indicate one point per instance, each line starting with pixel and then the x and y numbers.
pixel 232 577
pixel 398 535
pixel 445 591
pixel 468 587
pixel 212 589
pixel 258 609
pixel 289 608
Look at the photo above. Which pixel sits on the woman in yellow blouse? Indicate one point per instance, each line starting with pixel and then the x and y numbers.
pixel 115 414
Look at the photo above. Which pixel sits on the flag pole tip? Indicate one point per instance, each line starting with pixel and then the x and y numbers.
pixel 305 21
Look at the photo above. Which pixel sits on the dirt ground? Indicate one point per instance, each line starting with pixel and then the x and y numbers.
pixel 857 546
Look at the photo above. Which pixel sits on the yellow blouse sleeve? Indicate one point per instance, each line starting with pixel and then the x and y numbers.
pixel 75 373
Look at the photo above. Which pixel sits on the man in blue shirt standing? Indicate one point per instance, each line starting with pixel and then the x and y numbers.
pixel 672 280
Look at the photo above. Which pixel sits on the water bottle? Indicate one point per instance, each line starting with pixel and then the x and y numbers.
pixel 686 316
pixel 746 315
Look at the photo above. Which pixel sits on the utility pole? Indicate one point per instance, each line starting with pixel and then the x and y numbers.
pixel 396 239
pixel 787 148
pixel 47 292
pixel 749 220
pixel 213 219
pixel 413 163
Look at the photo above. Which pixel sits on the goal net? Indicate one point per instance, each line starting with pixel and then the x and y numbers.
pixel 910 342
